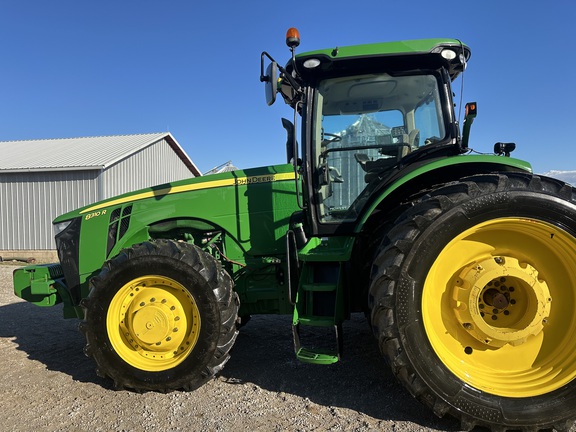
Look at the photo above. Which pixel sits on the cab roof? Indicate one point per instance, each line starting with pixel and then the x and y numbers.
pixel 401 54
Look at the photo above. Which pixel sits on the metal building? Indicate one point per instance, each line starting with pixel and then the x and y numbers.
pixel 41 179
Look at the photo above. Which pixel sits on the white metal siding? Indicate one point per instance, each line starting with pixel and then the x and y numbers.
pixel 151 166
pixel 30 201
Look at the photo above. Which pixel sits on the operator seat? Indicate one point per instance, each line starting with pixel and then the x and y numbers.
pixel 372 168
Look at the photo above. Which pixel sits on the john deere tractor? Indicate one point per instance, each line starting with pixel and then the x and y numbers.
pixel 463 263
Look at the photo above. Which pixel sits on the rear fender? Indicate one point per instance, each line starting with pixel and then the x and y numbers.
pixel 400 189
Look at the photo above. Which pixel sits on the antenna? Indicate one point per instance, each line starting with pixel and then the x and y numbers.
pixel 462 58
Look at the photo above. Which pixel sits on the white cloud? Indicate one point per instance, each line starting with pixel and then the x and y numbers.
pixel 567 176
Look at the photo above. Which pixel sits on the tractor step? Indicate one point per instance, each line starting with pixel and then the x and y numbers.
pixel 316 321
pixel 319 287
pixel 318 311
pixel 307 356
pixel 318 355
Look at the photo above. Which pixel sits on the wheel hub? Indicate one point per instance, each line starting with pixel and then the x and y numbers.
pixel 501 301
pixel 152 320
pixel 153 323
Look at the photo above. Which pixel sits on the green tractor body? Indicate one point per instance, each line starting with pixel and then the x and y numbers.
pixel 462 263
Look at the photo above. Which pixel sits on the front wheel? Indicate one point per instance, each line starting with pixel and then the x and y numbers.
pixel 160 316
pixel 472 300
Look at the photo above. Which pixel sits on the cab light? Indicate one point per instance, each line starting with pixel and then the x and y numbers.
pixel 448 54
pixel 471 109
pixel 311 63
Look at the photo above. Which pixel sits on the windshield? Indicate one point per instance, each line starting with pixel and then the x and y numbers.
pixel 364 126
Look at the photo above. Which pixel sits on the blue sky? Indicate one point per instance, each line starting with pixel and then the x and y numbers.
pixel 81 68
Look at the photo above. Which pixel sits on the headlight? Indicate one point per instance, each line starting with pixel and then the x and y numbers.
pixel 61 226
pixel 448 54
pixel 312 63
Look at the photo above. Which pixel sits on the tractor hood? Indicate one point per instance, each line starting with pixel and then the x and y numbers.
pixel 213 181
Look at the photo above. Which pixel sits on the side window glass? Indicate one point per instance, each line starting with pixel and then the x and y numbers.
pixel 429 120
pixel 363 126
pixel 349 139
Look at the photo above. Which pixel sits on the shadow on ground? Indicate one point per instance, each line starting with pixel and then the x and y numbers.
pixel 362 381
pixel 263 355
pixel 45 336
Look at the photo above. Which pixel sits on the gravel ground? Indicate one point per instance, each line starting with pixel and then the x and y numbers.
pixel 49 385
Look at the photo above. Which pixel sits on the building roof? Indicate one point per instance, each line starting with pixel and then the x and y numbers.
pixel 87 153
pixel 225 167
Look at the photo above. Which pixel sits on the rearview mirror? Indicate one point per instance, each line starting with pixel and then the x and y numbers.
pixel 271 82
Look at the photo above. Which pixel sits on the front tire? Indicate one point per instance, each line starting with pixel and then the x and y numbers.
pixel 472 301
pixel 160 316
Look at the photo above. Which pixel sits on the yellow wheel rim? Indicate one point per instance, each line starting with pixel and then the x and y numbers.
pixel 498 307
pixel 153 323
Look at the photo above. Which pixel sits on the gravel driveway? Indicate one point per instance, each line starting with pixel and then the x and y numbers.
pixel 49 385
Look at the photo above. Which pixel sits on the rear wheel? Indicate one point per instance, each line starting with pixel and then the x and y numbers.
pixel 160 316
pixel 472 300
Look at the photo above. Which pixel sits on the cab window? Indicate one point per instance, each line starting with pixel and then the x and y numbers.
pixel 364 125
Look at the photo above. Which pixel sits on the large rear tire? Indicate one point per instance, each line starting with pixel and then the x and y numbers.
pixel 472 301
pixel 160 316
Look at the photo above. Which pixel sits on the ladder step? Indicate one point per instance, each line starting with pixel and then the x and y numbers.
pixel 316 321
pixel 316 357
pixel 324 287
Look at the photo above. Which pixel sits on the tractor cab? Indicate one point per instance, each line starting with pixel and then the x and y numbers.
pixel 367 112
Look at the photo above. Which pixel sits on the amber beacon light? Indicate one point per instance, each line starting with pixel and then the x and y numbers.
pixel 292 37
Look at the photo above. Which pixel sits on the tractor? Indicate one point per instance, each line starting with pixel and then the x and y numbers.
pixel 463 262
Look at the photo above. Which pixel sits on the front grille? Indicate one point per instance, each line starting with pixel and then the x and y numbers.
pixel 112 230
pixel 68 245
pixel 118 226
pixel 125 221
pixel 55 271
